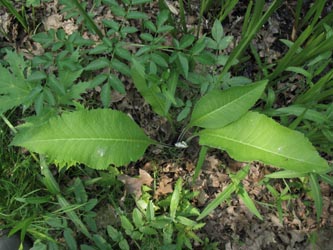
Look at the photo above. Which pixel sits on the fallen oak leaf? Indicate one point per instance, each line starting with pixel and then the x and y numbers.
pixel 164 187
pixel 145 178
pixel 133 184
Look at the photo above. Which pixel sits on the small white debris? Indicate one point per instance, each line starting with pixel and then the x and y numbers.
pixel 181 144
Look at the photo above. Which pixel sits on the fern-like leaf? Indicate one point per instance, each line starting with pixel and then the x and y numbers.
pixel 14 89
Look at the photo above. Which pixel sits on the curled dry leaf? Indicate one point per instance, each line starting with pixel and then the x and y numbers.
pixel 211 164
pixel 202 197
pixel 69 26
pixel 164 187
pixel 52 22
pixel 5 22
pixel 145 178
pixel 133 184
pixel 213 181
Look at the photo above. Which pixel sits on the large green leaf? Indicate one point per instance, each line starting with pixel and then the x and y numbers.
pixel 255 137
pixel 96 138
pixel 219 108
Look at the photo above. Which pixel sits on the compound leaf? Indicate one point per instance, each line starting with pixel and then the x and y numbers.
pixel 219 108
pixel 256 137
pixel 151 94
pixel 96 138
pixel 14 89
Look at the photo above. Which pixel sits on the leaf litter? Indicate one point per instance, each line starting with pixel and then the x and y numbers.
pixel 133 185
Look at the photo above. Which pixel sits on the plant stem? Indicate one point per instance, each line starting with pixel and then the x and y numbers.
pixel 48 179
pixel 200 162
pixel 11 127
pixel 53 187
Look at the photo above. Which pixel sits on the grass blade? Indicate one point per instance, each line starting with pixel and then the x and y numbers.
pixel 314 13
pixel 175 198
pixel 73 216
pixel 88 19
pixel 285 61
pixel 316 194
pixel 226 9
pixel 248 202
pixel 14 12
pixel 201 160
pixel 53 188
pixel 48 179
pixel 312 93
pixel 285 174
pixel 226 193
pixel 255 24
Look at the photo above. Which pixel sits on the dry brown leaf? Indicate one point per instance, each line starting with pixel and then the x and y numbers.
pixel 133 184
pixel 5 22
pixel 69 26
pixel 202 197
pixel 164 187
pixel 211 164
pixel 296 236
pixel 276 221
pixel 145 178
pixel 53 22
pixel 149 167
pixel 200 184
pixel 213 181
pixel 116 96
pixel 170 168
pixel 189 166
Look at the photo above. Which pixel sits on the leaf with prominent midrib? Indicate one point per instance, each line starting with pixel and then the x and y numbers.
pixel 256 137
pixel 219 108
pixel 96 138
